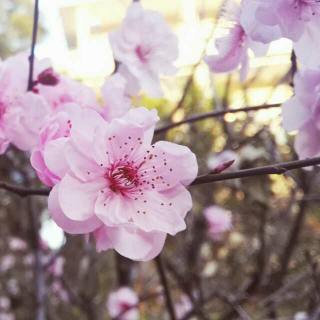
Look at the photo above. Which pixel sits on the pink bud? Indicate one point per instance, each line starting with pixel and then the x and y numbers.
pixel 223 166
pixel 48 77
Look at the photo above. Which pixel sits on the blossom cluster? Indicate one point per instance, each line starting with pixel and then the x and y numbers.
pixel 253 25
pixel 107 177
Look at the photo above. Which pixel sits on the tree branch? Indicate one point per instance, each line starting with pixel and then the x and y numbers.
pixel 33 45
pixel 24 191
pixel 165 285
pixel 213 114
pixel 279 168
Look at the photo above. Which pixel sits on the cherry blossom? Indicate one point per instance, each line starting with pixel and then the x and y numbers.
pixel 302 111
pixel 17 244
pixel 123 304
pixel 115 99
pixel 233 47
pixel 54 134
pixel 67 90
pixel 146 45
pixel 183 306
pixel 219 220
pixel 57 266
pixel 112 176
pixel 13 118
pixel 59 291
pixel 298 20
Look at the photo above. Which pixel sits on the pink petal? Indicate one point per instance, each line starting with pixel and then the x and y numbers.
pixel 82 164
pixel 113 208
pixel 294 114
pixel 136 245
pixel 43 172
pixel 102 240
pixel 175 163
pixel 77 199
pixel 311 40
pixel 54 157
pixel 68 225
pixel 180 197
pixel 83 129
pixel 152 211
pixel 307 144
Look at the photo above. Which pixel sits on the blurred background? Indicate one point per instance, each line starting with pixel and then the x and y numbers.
pixel 265 267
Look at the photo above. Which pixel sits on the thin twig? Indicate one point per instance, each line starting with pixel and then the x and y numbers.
pixel 33 45
pixel 24 191
pixel 165 285
pixel 279 168
pixel 214 114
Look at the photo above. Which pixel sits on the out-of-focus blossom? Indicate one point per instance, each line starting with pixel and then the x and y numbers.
pixel 14 118
pixel 13 287
pixel 123 304
pixel 4 303
pixel 132 87
pixel 298 20
pixel 7 262
pixel 116 101
pixel 57 266
pixel 17 244
pixel 233 48
pixel 183 306
pixel 301 316
pixel 7 316
pixel 260 32
pixel 58 289
pixel 147 46
pixel 217 159
pixel 26 119
pixel 302 112
pixel 219 220
pixel 68 90
pixel 28 260
pixel 114 179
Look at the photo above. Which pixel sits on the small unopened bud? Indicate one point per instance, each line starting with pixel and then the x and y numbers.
pixel 48 77
pixel 223 166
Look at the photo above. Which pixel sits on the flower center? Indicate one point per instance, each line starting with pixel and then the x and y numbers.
pixel 123 177
pixel 142 53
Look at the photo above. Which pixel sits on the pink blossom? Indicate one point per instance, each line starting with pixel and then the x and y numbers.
pixel 219 220
pixel 298 20
pixel 113 177
pixel 57 288
pixel 123 304
pixel 5 303
pixel 53 136
pixel 115 99
pixel 7 316
pixel 25 120
pixel 13 85
pixel 302 113
pixel 233 48
pixel 57 267
pixel 146 45
pixel 17 244
pixel 291 15
pixel 7 262
pixel 183 307
pixel 68 90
